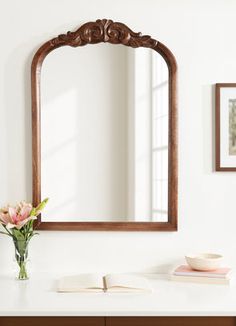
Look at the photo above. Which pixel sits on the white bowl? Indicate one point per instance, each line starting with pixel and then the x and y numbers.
pixel 204 262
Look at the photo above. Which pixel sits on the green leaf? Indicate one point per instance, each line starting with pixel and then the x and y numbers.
pixel 7 230
pixel 21 246
pixel 6 233
pixel 31 236
pixel 18 234
pixel 41 206
pixel 33 212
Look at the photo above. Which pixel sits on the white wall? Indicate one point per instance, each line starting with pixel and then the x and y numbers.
pixel 201 35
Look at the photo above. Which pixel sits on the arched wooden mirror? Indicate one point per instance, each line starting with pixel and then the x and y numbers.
pixel 104 122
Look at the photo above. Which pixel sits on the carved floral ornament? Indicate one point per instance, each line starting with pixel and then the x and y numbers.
pixel 104 31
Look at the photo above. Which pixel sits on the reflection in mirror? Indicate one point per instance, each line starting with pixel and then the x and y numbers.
pixel 104 134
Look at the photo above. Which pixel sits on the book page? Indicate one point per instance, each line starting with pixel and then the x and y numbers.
pixel 126 283
pixel 81 283
pixel 200 279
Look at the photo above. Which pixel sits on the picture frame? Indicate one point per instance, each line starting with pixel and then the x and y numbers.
pixel 225 126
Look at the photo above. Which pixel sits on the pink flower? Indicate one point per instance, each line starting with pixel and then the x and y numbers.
pixel 16 217
pixel 4 216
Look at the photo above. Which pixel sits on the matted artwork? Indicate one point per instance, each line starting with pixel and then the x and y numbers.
pixel 226 127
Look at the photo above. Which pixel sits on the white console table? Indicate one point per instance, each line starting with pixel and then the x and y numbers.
pixel 37 297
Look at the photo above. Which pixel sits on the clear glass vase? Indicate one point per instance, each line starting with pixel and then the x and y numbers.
pixel 21 256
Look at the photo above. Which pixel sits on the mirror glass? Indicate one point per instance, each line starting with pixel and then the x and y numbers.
pixel 104 134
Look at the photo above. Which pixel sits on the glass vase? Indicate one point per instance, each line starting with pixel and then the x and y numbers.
pixel 21 256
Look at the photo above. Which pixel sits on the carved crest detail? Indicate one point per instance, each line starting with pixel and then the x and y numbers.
pixel 104 31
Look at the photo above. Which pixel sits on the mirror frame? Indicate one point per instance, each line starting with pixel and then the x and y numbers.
pixel 115 33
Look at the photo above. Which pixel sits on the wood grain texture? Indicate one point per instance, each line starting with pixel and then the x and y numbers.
pixel 52 321
pixel 107 226
pixel 170 321
pixel 218 166
pixel 115 33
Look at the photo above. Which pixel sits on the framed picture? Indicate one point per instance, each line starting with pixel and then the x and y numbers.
pixel 225 127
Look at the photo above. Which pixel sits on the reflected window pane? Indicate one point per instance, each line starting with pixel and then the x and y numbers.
pixel 160 195
pixel 160 132
pixel 160 165
pixel 159 217
pixel 160 117
pixel 160 70
pixel 160 100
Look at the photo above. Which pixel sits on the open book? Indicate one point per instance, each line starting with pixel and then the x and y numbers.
pixel 108 283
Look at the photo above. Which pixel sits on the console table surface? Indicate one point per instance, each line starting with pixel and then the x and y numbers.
pixel 38 297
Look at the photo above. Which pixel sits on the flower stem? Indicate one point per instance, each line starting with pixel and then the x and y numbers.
pixel 9 233
pixel 22 272
pixel 21 254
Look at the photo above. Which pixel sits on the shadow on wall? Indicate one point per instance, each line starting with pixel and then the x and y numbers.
pixel 17 93
pixel 213 126
pixel 162 268
pixel 18 121
pixel 208 125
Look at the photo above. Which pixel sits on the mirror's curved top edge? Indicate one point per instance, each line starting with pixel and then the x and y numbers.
pixel 107 31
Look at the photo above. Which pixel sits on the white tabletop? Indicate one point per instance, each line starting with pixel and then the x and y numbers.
pixel 38 297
